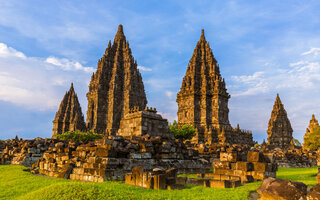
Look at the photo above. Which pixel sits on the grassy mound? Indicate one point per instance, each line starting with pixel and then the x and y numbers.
pixel 18 184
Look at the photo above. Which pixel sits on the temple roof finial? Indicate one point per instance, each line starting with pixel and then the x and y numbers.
pixel 202 35
pixel 120 34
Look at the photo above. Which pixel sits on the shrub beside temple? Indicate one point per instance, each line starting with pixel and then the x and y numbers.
pixel 184 132
pixel 78 136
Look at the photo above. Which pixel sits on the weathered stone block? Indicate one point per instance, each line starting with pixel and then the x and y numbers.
pixel 159 182
pixel 198 182
pixel 246 178
pixel 229 157
pixel 244 166
pixel 129 179
pixel 260 167
pixel 224 171
pixel 257 175
pixel 220 184
pixel 254 156
pixel 221 165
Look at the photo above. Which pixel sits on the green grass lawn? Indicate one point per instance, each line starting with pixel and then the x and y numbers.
pixel 18 184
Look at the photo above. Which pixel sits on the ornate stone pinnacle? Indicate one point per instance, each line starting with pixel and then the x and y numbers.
pixel 120 35
pixel 279 127
pixel 115 72
pixel 69 116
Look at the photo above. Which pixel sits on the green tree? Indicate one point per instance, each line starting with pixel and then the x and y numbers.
pixel 184 132
pixel 313 140
pixel 78 136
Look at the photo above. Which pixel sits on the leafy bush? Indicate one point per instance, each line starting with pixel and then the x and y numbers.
pixel 78 136
pixel 184 132
pixel 296 142
pixel 313 140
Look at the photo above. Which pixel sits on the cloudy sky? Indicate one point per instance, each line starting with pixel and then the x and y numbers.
pixel 263 48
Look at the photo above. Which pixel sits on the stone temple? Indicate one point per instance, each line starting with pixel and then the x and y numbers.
pixel 203 100
pixel 279 127
pixel 69 116
pixel 115 88
pixel 312 124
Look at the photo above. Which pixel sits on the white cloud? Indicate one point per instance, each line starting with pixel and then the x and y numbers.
pixel 6 51
pixel 146 69
pixel 68 65
pixel 38 83
pixel 312 51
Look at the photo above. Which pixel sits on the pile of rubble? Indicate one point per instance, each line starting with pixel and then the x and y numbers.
pixel 24 152
pixel 244 167
pixel 289 158
pixel 212 152
pixel 236 168
pixel 294 158
pixel 112 158
pixel 153 179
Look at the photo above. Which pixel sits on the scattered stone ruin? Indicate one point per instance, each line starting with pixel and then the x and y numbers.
pixel 290 158
pixel 245 167
pixel 294 158
pixel 153 179
pixel 203 100
pixel 141 122
pixel 115 156
pixel 232 170
pixel 24 152
pixel 69 116
pixel 115 88
pixel 279 127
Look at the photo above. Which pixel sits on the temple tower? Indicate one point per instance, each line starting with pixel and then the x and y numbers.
pixel 115 88
pixel 312 124
pixel 279 127
pixel 203 97
pixel 69 116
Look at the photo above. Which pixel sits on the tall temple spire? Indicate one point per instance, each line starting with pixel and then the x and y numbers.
pixel 203 97
pixel 69 116
pixel 312 125
pixel 279 127
pixel 115 88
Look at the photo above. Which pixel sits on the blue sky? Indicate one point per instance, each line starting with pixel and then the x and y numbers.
pixel 263 47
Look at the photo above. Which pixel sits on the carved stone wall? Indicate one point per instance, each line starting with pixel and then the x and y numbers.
pixel 115 88
pixel 141 122
pixel 69 116
pixel 279 127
